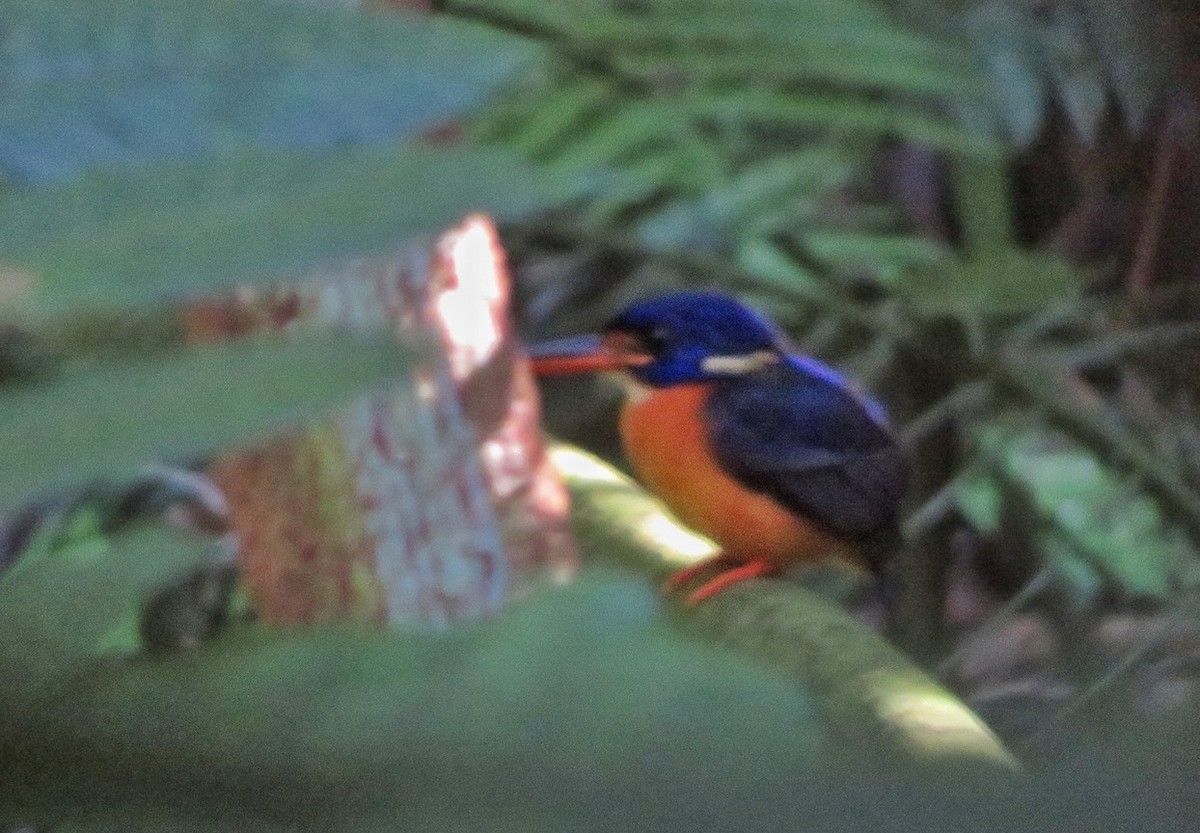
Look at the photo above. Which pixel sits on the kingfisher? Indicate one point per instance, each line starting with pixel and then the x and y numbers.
pixel 770 453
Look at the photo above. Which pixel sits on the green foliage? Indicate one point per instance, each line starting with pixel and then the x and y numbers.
pixel 133 82
pixel 74 592
pixel 202 146
pixel 721 121
pixel 219 142
pixel 582 697
pixel 1097 527
pixel 112 416
pixel 1075 55
pixel 747 146
pixel 244 217
pixel 1003 282
pixel 730 131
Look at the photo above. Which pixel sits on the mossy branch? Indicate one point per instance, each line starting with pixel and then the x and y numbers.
pixel 867 689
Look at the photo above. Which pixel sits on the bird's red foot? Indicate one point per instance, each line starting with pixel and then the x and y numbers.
pixel 745 572
pixel 680 578
pixel 740 571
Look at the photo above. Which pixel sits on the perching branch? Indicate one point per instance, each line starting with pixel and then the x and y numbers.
pixel 866 689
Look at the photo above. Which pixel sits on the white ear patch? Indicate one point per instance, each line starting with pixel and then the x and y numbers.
pixel 737 365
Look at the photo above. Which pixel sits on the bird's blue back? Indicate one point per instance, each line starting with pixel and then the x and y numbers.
pixel 810 442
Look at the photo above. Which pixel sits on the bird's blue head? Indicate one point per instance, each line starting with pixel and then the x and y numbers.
pixel 692 337
pixel 676 339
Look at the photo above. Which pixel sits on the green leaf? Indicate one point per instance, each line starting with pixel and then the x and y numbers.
pixel 637 181
pixel 202 226
pixel 57 605
pixel 889 257
pixel 777 190
pixel 816 64
pixel 110 417
pixel 131 82
pixel 751 25
pixel 1003 38
pixel 774 269
pixel 1001 282
pixel 851 114
pixel 626 132
pixel 540 125
pixel 687 16
pixel 1094 523
pixel 514 720
pixel 982 195
pixel 978 496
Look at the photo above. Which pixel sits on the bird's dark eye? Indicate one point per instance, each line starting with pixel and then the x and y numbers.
pixel 648 343
pixel 656 340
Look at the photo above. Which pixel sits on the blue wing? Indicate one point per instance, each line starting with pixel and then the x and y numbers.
pixel 796 432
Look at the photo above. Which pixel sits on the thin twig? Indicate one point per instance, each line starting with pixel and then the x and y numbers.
pixel 959 401
pixel 1033 588
pixel 1102 683
pixel 940 504
pixel 1141 271
pixel 1104 351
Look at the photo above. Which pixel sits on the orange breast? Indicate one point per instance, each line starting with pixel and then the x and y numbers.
pixel 667 445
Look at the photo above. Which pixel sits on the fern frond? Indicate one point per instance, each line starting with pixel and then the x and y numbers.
pixel 730 88
pixel 852 116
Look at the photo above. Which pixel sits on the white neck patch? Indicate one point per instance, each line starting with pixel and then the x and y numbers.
pixel 738 364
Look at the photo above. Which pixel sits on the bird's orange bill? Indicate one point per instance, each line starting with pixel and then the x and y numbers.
pixel 583 354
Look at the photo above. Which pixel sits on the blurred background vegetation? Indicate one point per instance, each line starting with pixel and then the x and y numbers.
pixel 985 211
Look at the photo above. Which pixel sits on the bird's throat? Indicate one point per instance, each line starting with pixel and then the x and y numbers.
pixel 635 391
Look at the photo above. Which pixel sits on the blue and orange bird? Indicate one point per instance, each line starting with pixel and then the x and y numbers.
pixel 771 454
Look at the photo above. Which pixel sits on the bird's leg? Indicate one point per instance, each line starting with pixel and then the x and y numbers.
pixel 679 578
pixel 744 572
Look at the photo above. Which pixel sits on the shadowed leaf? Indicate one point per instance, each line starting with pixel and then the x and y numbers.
pixel 199 227
pixel 512 718
pixel 119 84
pixel 110 417
pixel 59 604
